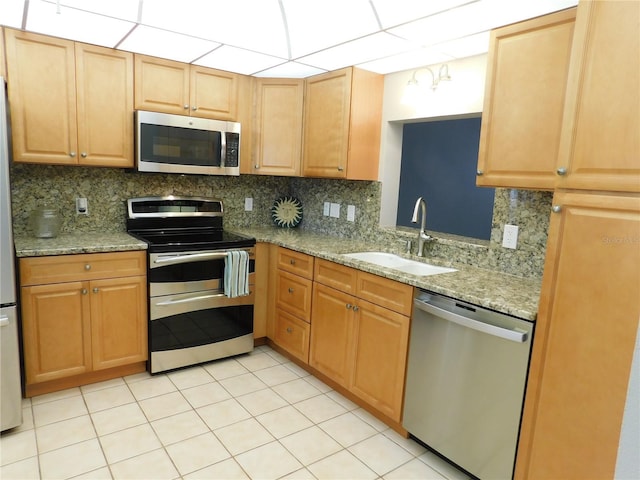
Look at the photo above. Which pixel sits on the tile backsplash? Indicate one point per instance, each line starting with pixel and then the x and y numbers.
pixel 107 190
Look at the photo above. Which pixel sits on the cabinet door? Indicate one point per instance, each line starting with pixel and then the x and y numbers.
pixel 278 126
pixel 331 347
pixel 292 334
pixel 214 94
pixel 326 124
pixel 56 331
pixel 380 360
pixel 600 144
pixel 42 96
pixel 523 103
pixel 105 106
pixel 161 85
pixel 584 341
pixel 293 294
pixel 118 321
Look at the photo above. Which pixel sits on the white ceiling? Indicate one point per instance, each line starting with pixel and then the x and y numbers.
pixel 281 38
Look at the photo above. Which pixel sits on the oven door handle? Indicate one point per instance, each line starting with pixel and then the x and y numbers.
pixel 190 299
pixel 189 258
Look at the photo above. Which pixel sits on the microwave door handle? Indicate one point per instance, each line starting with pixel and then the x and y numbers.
pixel 189 258
pixel 223 149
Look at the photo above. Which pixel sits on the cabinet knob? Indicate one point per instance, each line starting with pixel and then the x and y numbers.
pixel 355 308
pixel 96 289
pixel 186 107
pixel 194 108
pixel 561 171
pixel 479 172
pixel 290 290
pixel 84 291
pixel 349 306
pixel 340 168
pixel 292 261
pixel 256 167
pixel 556 209
pixel 83 154
pixel 72 154
pixel 87 267
pixel 289 330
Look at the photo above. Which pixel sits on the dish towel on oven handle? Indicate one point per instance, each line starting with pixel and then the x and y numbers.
pixel 236 273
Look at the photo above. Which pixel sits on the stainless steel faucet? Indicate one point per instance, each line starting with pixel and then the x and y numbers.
pixel 422 236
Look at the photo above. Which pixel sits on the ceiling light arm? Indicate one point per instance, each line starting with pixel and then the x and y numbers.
pixel 443 74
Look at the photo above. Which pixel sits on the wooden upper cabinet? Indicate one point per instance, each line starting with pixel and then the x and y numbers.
pixel 278 127
pixel 70 103
pixel 527 70
pixel 342 121
pixel 3 62
pixel 174 87
pixel 600 143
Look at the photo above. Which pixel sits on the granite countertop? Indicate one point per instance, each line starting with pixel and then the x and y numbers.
pixel 498 291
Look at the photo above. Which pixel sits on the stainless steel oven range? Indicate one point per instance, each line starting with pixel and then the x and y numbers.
pixel 194 314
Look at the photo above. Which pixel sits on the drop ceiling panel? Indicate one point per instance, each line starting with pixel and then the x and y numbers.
pixel 11 13
pixel 238 60
pixel 396 12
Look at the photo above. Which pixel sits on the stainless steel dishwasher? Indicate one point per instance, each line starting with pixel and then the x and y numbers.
pixel 465 383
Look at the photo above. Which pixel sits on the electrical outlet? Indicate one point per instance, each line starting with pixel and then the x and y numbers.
pixel 510 236
pixel 82 206
pixel 334 210
pixel 248 204
pixel 351 213
pixel 326 209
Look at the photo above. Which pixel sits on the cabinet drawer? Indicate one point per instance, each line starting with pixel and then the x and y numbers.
pixel 337 276
pixel 292 334
pixel 295 262
pixel 66 268
pixel 387 293
pixel 293 294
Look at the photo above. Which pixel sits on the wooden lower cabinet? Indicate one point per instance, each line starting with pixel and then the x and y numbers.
pixel 88 329
pixel 292 334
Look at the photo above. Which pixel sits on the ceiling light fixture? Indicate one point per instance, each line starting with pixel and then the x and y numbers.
pixel 413 92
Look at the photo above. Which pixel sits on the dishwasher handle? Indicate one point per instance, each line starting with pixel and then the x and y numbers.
pixel 505 333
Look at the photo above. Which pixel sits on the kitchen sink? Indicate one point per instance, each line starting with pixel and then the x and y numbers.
pixel 389 260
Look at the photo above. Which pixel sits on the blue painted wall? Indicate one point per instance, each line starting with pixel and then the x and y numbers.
pixel 439 162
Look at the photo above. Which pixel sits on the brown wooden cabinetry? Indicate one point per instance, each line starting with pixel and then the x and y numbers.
pixel 71 103
pixel 524 98
pixel 278 127
pixel 360 344
pixel 174 87
pixel 342 122
pixel 293 302
pixel 82 316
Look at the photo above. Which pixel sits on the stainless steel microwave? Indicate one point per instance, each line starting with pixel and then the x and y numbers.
pixel 180 144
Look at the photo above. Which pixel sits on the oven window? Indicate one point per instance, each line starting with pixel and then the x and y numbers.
pixel 192 271
pixel 202 327
pixel 184 146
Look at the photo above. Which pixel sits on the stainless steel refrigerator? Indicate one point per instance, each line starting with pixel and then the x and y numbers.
pixel 10 388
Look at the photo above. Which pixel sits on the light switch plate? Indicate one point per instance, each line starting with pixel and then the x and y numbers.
pixel 334 210
pixel 510 236
pixel 326 209
pixel 351 213
pixel 248 204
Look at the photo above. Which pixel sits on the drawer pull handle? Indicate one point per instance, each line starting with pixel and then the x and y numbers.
pixel 289 330
pixel 355 308
pixel 87 267
pixel 290 290
pixel 561 171
pixel 292 261
pixel 349 306
pixel 96 289
pixel 84 291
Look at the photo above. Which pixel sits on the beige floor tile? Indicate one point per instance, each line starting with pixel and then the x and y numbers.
pixel 342 400
pixel 221 369
pixel 408 444
pixel 100 474
pixel 320 408
pixel 243 436
pixel 205 394
pixel 298 370
pixel 342 466
pixel 67 432
pixel 49 397
pixel 27 469
pixel 137 377
pixel 256 361
pixel 296 391
pixel 284 421
pixel 179 427
pixel 154 465
pixel 278 357
pixel 16 446
pixel 261 401
pixel 310 445
pixel 347 429
pixel 108 398
pixel 319 384
pixel 190 377
pixel 164 405
pixel 414 470
pixel 73 460
pixel 227 470
pixel 370 419
pixel 223 413
pixel 242 384
pixel 92 387
pixel 275 375
pixel 380 454
pixel 443 467
pixel 129 443
pixel 269 461
pixel 197 453
pixel 302 474
pixel 118 418
pixel 27 420
pixel 151 387
pixel 57 410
